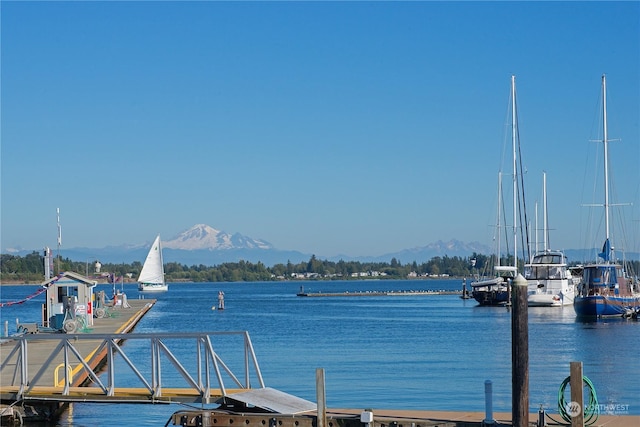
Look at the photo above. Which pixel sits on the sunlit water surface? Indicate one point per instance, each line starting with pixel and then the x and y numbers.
pixel 407 352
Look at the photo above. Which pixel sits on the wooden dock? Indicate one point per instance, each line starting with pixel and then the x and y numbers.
pixel 120 320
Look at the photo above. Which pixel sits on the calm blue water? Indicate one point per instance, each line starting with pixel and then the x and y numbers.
pixel 409 352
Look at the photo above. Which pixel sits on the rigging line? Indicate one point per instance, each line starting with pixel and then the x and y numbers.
pixel 587 225
pixel 546 218
pixel 506 236
pixel 524 236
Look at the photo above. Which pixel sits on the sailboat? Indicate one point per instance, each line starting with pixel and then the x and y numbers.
pixel 496 290
pixel 151 277
pixel 605 289
pixel 549 280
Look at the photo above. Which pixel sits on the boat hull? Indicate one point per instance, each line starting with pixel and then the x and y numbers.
pixel 145 287
pixel 604 305
pixel 491 292
pixel 491 297
pixel 545 300
pixel 552 298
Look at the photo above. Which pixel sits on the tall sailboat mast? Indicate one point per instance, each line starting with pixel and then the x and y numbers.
pixel 515 177
pixel 545 229
pixel 498 225
pixel 605 142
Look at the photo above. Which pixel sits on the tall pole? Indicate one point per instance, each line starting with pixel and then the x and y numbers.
pixel 577 394
pixel 519 317
pixel 321 414
pixel 520 354
pixel 514 132
pixel 605 141
pixel 59 237
pixel 498 224
pixel 545 226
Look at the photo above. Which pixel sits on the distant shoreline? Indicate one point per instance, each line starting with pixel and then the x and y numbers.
pixel 105 282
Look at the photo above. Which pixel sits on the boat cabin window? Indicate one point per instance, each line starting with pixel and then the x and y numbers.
pixel 600 276
pixel 548 259
pixel 543 272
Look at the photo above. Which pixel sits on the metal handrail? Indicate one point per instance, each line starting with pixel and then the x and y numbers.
pixel 108 350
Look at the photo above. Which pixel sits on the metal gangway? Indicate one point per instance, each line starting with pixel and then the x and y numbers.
pixel 153 368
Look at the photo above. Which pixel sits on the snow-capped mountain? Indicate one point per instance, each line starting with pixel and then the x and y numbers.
pixel 424 253
pixel 202 236
pixel 202 244
pixel 452 248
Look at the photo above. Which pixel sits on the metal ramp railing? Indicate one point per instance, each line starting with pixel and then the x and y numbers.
pixel 94 364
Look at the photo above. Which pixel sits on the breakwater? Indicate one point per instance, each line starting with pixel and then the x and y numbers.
pixel 377 293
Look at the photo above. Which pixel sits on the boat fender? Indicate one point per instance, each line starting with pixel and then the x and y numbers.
pixel 70 326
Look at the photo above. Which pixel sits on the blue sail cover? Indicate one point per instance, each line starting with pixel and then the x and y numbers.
pixel 606 250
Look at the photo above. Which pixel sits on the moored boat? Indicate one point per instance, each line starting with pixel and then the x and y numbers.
pixel 606 289
pixel 550 282
pixel 496 290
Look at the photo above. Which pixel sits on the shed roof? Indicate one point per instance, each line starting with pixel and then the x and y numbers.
pixel 71 275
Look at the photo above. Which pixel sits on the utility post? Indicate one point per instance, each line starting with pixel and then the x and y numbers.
pixel 321 412
pixel 519 354
pixel 577 395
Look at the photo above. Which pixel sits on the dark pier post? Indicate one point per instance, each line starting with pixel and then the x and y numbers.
pixel 520 354
pixel 576 408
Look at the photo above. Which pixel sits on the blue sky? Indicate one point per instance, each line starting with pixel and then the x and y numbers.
pixel 356 128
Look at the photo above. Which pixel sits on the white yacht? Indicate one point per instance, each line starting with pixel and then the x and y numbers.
pixel 550 282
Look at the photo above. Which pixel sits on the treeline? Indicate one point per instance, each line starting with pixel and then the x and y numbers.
pixel 30 269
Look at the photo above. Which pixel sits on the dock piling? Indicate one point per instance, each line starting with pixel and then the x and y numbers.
pixel 488 404
pixel 519 354
pixel 321 406
pixel 576 406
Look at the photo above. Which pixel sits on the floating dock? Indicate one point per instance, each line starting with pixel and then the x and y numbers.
pixel 380 418
pixel 377 293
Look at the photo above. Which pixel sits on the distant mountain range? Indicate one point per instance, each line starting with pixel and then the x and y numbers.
pixel 204 237
pixel 204 245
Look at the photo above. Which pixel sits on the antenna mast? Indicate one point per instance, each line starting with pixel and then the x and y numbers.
pixel 59 237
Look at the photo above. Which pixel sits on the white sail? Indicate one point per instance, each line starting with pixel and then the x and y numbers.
pixel 152 274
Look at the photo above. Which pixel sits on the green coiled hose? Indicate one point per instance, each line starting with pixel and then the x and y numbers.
pixel 591 409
